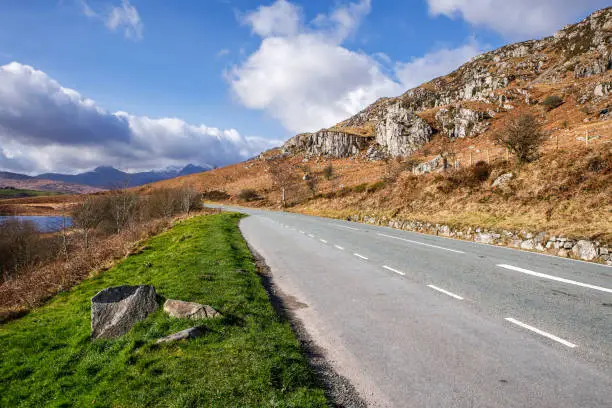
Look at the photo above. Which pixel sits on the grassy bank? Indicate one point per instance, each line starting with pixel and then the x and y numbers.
pixel 248 358
pixel 20 193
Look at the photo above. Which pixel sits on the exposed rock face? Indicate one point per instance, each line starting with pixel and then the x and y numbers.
pixel 190 333
pixel 327 143
pixel 115 310
pixel 429 166
pixel 462 122
pixel 189 310
pixel 401 131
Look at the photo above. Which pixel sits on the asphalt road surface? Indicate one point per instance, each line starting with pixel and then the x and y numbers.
pixel 415 320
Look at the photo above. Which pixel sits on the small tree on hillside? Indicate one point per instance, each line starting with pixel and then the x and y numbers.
pixel 190 199
pixel 522 134
pixel 283 176
pixel 89 214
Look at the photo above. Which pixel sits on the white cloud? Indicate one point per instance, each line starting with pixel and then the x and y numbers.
pixel 126 17
pixel 46 127
pixel 301 74
pixel 119 17
pixel 281 18
pixel 435 64
pixel 304 76
pixel 517 18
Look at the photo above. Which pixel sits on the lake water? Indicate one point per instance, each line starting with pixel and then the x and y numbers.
pixel 43 223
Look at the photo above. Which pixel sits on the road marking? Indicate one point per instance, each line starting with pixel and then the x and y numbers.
pixel 311 236
pixel 421 243
pixel 302 232
pixel 360 256
pixel 541 332
pixel 339 247
pixel 446 292
pixel 344 226
pixel 555 278
pixel 394 270
pixel 323 241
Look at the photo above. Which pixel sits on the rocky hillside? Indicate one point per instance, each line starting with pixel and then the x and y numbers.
pixel 574 64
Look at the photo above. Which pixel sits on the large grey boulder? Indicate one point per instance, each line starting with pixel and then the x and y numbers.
pixel 585 250
pixel 189 310
pixel 115 310
pixel 190 333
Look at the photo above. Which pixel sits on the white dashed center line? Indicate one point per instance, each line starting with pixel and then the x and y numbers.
pixel 541 332
pixel 554 278
pixel 446 292
pixel 394 270
pixel 421 243
pixel 323 241
pixel 311 236
pixel 301 232
pixel 344 226
pixel 360 256
pixel 339 247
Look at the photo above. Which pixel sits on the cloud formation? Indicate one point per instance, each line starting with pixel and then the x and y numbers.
pixel 302 74
pixel 123 17
pixel 46 127
pixel 516 19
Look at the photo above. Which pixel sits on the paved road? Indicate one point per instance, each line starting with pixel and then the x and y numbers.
pixel 421 321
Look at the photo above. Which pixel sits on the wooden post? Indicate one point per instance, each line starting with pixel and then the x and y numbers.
pixel 470 157
pixel 488 157
pixel 586 138
pixel 557 141
pixel 507 154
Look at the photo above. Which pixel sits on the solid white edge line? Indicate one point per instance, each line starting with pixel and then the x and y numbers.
pixel 421 243
pixel 541 332
pixel 554 278
pixel 311 236
pixel 302 232
pixel 323 241
pixel 360 256
pixel 446 292
pixel 394 270
pixel 339 247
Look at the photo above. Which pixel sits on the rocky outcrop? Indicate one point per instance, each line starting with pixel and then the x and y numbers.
pixel 462 122
pixel 327 143
pixel 115 310
pixel 189 310
pixel 429 166
pixel 402 132
pixel 501 80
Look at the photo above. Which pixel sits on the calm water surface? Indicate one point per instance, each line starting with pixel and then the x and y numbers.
pixel 43 223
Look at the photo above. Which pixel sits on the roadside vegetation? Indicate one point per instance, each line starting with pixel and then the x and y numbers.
pixel 248 358
pixel 106 227
pixel 11 192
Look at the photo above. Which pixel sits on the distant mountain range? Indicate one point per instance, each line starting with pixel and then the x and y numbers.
pixel 110 178
pixel 101 178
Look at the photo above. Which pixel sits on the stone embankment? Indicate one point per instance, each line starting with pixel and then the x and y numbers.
pixel 543 242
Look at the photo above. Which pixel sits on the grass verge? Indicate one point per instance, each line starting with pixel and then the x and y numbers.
pixel 248 358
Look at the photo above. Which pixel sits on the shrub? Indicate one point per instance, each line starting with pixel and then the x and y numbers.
pixel 481 171
pixel 553 101
pixel 522 134
pixel 248 195
pixel 379 185
pixel 328 172
pixel 361 188
pixel 215 195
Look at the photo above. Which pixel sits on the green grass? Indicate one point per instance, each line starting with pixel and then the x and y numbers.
pixel 248 358
pixel 18 192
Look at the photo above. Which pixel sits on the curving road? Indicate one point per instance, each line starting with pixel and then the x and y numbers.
pixel 416 320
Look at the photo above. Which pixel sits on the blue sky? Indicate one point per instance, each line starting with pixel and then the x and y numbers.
pixel 217 81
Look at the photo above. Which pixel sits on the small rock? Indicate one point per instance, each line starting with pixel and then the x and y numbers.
pixel 568 245
pixel 189 310
pixel 484 238
pixel 502 180
pixel 528 244
pixel 190 333
pixel 585 250
pixel 115 310
pixel 563 253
